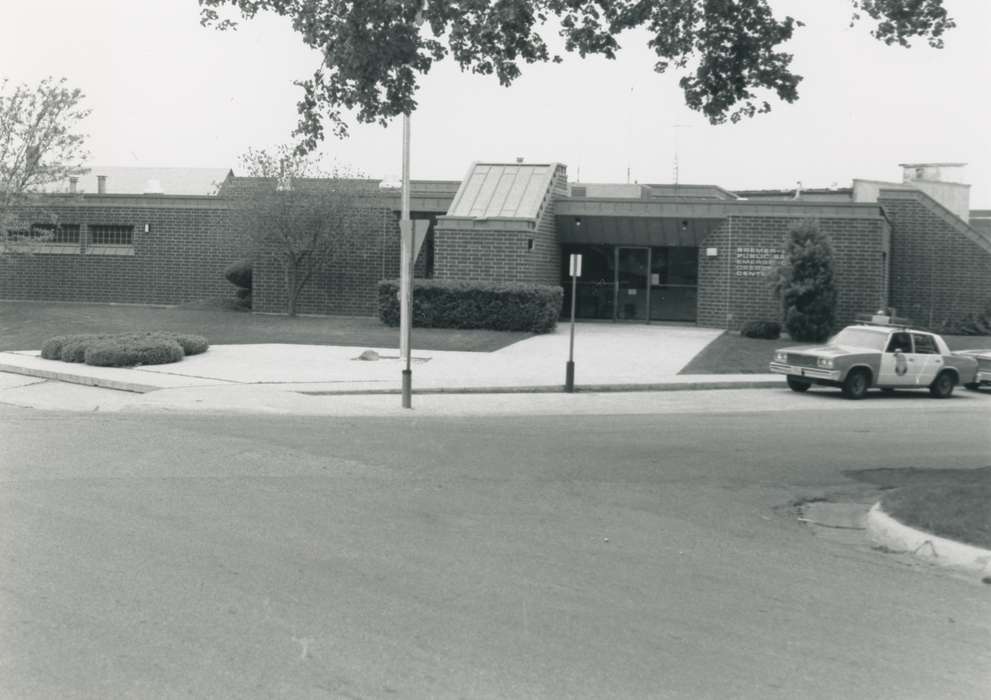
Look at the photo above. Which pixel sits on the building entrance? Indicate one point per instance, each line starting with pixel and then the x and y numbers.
pixel 634 283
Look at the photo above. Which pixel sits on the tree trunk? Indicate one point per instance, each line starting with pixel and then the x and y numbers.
pixel 291 291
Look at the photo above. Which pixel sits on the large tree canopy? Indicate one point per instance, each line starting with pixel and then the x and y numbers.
pixel 374 51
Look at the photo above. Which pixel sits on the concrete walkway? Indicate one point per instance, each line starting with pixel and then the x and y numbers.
pixel 608 357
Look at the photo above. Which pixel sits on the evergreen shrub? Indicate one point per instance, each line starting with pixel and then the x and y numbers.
pixel 124 349
pixel 129 351
pixel 969 324
pixel 472 305
pixel 804 283
pixel 239 274
pixel 761 329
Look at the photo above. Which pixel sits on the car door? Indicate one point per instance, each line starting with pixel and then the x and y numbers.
pixel 896 368
pixel 926 359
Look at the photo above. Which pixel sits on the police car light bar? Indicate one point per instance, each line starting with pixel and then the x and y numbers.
pixel 881 319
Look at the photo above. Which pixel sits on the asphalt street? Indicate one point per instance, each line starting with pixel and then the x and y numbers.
pixel 642 555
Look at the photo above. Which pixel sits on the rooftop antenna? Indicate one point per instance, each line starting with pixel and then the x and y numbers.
pixel 629 137
pixel 676 145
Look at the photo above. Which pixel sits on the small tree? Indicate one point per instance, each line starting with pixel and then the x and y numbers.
pixel 298 216
pixel 804 283
pixel 40 146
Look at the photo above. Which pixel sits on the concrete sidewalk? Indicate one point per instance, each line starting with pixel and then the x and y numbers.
pixel 608 357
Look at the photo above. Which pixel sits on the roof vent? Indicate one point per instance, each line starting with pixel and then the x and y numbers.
pixel 153 187
pixel 519 159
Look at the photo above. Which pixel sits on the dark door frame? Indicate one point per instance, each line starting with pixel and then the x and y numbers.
pixel 615 292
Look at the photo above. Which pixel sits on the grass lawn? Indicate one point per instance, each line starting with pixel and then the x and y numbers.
pixel 732 353
pixel 26 325
pixel 951 503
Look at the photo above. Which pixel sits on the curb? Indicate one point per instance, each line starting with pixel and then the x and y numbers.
pixel 557 388
pixel 896 536
pixel 139 388
pixel 99 382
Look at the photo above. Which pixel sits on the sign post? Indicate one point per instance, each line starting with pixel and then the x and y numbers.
pixel 575 268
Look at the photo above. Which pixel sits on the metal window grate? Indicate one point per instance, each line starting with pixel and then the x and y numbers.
pixel 111 235
pixel 56 233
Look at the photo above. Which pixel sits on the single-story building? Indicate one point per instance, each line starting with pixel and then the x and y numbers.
pixel 651 252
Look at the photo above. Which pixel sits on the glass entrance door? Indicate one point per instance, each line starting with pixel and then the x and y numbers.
pixel 632 283
pixel 673 283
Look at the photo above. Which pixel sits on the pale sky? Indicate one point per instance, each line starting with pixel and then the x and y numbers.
pixel 167 92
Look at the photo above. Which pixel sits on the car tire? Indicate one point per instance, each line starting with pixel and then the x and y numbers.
pixel 942 386
pixel 856 384
pixel 799 385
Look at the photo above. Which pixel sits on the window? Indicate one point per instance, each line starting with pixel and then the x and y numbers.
pixel 925 344
pixel 101 234
pixel 900 342
pixel 65 234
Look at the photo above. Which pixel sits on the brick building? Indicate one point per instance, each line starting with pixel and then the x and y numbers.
pixel 687 253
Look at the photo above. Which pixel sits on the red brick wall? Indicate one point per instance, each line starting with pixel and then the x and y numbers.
pixel 482 254
pixel 938 272
pixel 180 259
pixel 733 290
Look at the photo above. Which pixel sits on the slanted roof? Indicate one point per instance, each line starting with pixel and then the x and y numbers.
pixel 504 190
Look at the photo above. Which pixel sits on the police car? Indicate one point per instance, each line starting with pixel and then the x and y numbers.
pixel 880 351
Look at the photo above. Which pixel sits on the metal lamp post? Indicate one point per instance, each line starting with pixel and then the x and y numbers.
pixel 406 277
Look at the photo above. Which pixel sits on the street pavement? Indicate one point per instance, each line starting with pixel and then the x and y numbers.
pixel 602 556
pixel 249 528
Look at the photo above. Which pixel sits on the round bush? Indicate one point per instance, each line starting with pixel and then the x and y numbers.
pixel 239 274
pixel 131 351
pixel 191 344
pixel 74 347
pixel 124 349
pixel 52 348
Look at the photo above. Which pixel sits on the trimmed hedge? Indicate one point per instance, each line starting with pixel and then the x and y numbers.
pixel 472 305
pixel 770 330
pixel 128 352
pixel 124 349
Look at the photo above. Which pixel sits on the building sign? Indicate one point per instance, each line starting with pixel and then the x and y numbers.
pixel 757 262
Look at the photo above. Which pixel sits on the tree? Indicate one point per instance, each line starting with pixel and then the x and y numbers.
pixel 804 283
pixel 374 51
pixel 299 217
pixel 40 145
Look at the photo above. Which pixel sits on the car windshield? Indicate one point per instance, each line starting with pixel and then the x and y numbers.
pixel 860 338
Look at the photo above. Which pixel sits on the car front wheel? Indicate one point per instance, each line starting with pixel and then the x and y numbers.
pixel 943 385
pixel 855 385
pixel 799 385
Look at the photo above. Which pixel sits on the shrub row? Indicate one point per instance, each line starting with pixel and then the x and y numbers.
pixel 450 304
pixel 123 349
pixel 761 329
pixel 969 324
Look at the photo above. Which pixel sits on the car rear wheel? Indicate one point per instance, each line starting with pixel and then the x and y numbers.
pixel 799 385
pixel 943 385
pixel 856 383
